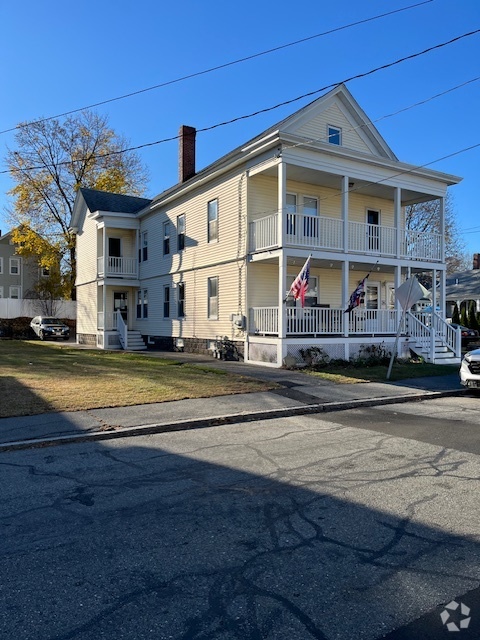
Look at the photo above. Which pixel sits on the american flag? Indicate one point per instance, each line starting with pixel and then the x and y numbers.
pixel 356 296
pixel 300 284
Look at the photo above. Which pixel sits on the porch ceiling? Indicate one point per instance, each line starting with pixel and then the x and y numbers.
pixel 333 181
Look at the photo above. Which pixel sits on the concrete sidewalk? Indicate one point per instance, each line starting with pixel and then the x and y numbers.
pixel 298 394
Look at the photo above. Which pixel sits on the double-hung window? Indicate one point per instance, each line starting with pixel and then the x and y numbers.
pixel 145 245
pixel 213 221
pixel 166 238
pixel 213 298
pixel 15 293
pixel 291 208
pixel 166 302
pixel 14 267
pixel 142 304
pixel 181 232
pixel 310 220
pixel 181 300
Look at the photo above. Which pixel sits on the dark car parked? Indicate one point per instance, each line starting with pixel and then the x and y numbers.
pixel 47 327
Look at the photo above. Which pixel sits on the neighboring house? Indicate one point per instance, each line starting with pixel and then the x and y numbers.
pixel 18 276
pixel 462 288
pixel 214 256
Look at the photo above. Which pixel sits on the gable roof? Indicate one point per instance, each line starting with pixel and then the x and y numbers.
pixel 307 127
pixel 114 202
pixel 463 285
pixel 358 122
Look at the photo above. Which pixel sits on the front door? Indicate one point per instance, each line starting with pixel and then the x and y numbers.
pixel 373 222
pixel 120 303
pixel 372 303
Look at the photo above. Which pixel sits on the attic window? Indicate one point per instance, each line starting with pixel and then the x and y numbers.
pixel 334 135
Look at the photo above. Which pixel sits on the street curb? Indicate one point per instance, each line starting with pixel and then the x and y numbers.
pixel 200 423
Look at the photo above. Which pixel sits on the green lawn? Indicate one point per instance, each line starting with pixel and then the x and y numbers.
pixel 38 377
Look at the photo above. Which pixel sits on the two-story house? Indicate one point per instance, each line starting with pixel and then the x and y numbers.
pixel 214 256
pixel 18 276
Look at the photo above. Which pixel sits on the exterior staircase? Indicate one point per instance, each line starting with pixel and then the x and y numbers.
pixel 433 339
pixel 135 341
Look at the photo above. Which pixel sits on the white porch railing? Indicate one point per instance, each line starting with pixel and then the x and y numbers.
pixel 426 246
pixel 322 321
pixel 314 321
pixel 106 321
pixel 122 330
pixel 314 231
pixel 264 320
pixel 124 267
pixel 371 238
pixel 319 232
pixel 430 329
pixel 263 233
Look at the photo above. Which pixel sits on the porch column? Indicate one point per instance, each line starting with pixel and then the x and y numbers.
pixel 442 229
pixel 345 181
pixel 442 296
pixel 104 302
pixel 397 280
pixel 345 293
pixel 397 212
pixel 105 252
pixel 282 203
pixel 282 323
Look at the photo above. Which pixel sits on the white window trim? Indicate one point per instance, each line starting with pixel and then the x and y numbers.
pixel 210 239
pixel 340 136
pixel 1 292
pixel 1 265
pixel 211 316
pixel 11 289
pixel 18 261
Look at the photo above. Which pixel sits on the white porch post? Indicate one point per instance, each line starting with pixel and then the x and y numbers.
pixel 345 294
pixel 282 203
pixel 442 228
pixel 434 290
pixel 397 206
pixel 282 289
pixel 105 252
pixel 345 180
pixel 442 301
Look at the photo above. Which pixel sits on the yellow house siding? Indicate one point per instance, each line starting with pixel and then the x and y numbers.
pixel 316 129
pixel 196 322
pixel 87 252
pixel 87 308
pixel 359 203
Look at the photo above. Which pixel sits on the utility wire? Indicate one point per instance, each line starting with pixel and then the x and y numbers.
pixel 218 67
pixel 266 109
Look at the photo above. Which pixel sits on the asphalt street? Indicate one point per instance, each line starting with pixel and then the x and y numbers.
pixel 353 525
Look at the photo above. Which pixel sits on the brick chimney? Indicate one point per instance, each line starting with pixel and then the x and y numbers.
pixel 476 261
pixel 186 153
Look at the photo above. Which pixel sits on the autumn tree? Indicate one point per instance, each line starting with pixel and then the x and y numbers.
pixel 51 161
pixel 425 217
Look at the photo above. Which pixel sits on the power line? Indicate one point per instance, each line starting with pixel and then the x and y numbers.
pixel 266 109
pixel 218 67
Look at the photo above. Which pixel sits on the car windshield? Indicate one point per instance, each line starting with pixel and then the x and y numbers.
pixel 51 321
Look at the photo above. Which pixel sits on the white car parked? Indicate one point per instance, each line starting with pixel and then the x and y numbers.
pixel 470 369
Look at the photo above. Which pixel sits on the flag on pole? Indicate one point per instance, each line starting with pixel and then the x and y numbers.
pixel 300 284
pixel 356 296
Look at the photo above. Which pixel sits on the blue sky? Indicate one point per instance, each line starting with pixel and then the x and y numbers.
pixel 61 56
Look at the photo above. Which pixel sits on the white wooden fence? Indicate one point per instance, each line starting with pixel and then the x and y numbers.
pixel 13 308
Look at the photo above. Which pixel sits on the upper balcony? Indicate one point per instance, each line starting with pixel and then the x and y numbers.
pixel 113 267
pixel 328 234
